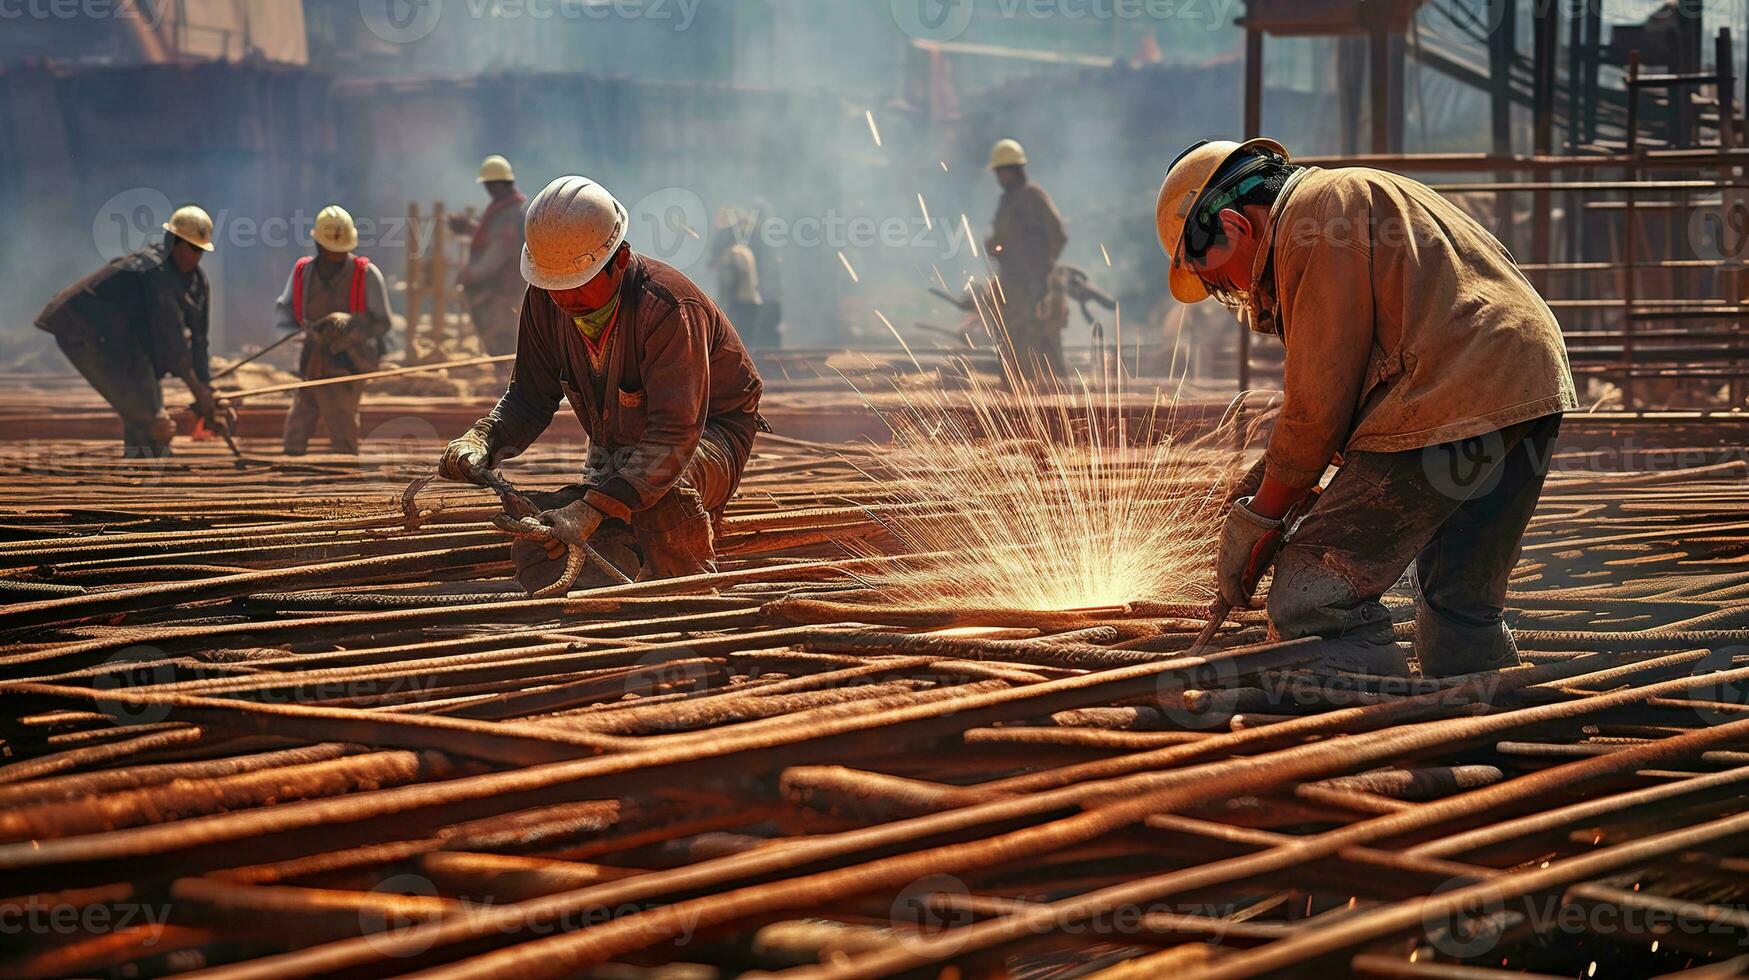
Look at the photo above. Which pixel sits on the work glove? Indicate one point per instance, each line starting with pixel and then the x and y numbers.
pixel 1248 544
pixel 571 525
pixel 467 458
pixel 334 331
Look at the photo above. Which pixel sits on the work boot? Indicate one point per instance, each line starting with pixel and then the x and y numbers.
pixel 1447 648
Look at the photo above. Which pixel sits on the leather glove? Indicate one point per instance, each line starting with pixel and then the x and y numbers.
pixel 467 458
pixel 571 525
pixel 1248 545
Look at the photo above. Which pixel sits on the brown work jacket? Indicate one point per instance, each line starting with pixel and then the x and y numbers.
pixel 1406 323
pixel 672 363
pixel 1026 237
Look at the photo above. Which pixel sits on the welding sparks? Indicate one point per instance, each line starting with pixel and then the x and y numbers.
pixel 1044 496
pixel 895 332
pixel 1107 255
pixel 847 268
pixel 872 128
pixel 927 224
pixel 971 239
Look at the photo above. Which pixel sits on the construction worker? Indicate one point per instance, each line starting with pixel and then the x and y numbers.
pixel 139 318
pixel 1025 240
pixel 653 370
pixel 1417 351
pixel 491 281
pixel 341 303
pixel 738 278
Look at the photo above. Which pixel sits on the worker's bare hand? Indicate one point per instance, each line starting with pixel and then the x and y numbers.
pixel 204 404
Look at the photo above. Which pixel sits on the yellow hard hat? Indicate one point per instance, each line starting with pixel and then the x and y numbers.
pixel 334 230
pixel 1183 187
pixel 1007 153
pixel 192 225
pixel 494 168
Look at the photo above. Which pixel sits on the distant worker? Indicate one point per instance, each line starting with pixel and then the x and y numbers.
pixel 491 281
pixel 1025 241
pixel 341 303
pixel 1417 351
pixel 770 267
pixel 738 292
pixel 137 319
pixel 653 370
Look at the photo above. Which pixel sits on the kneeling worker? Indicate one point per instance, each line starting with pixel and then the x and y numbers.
pixel 654 371
pixel 341 303
pixel 1417 350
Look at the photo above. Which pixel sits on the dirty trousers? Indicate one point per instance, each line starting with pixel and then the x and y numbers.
pixel 674 536
pixel 1458 510
pixel 336 406
pixel 122 373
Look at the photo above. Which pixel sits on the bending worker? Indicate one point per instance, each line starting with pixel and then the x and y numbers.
pixel 1415 349
pixel 341 303
pixel 656 375
pixel 137 319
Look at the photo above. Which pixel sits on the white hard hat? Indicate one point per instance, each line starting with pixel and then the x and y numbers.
pixel 574 226
pixel 494 168
pixel 1183 187
pixel 334 230
pixel 192 225
pixel 1007 153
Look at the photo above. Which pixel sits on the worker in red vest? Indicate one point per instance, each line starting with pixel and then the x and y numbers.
pixel 341 303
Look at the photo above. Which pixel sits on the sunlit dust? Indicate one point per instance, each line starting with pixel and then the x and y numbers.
pixel 1047 495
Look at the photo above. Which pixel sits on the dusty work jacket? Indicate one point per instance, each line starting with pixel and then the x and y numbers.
pixel 1026 236
pixel 672 363
pixel 140 298
pixel 1406 323
pixel 492 268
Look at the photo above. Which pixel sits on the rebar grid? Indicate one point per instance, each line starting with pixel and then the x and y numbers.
pixel 254 727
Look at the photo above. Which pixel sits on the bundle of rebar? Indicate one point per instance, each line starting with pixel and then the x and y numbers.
pixel 253 726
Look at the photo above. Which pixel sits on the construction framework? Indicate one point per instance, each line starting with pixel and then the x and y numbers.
pixel 262 729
